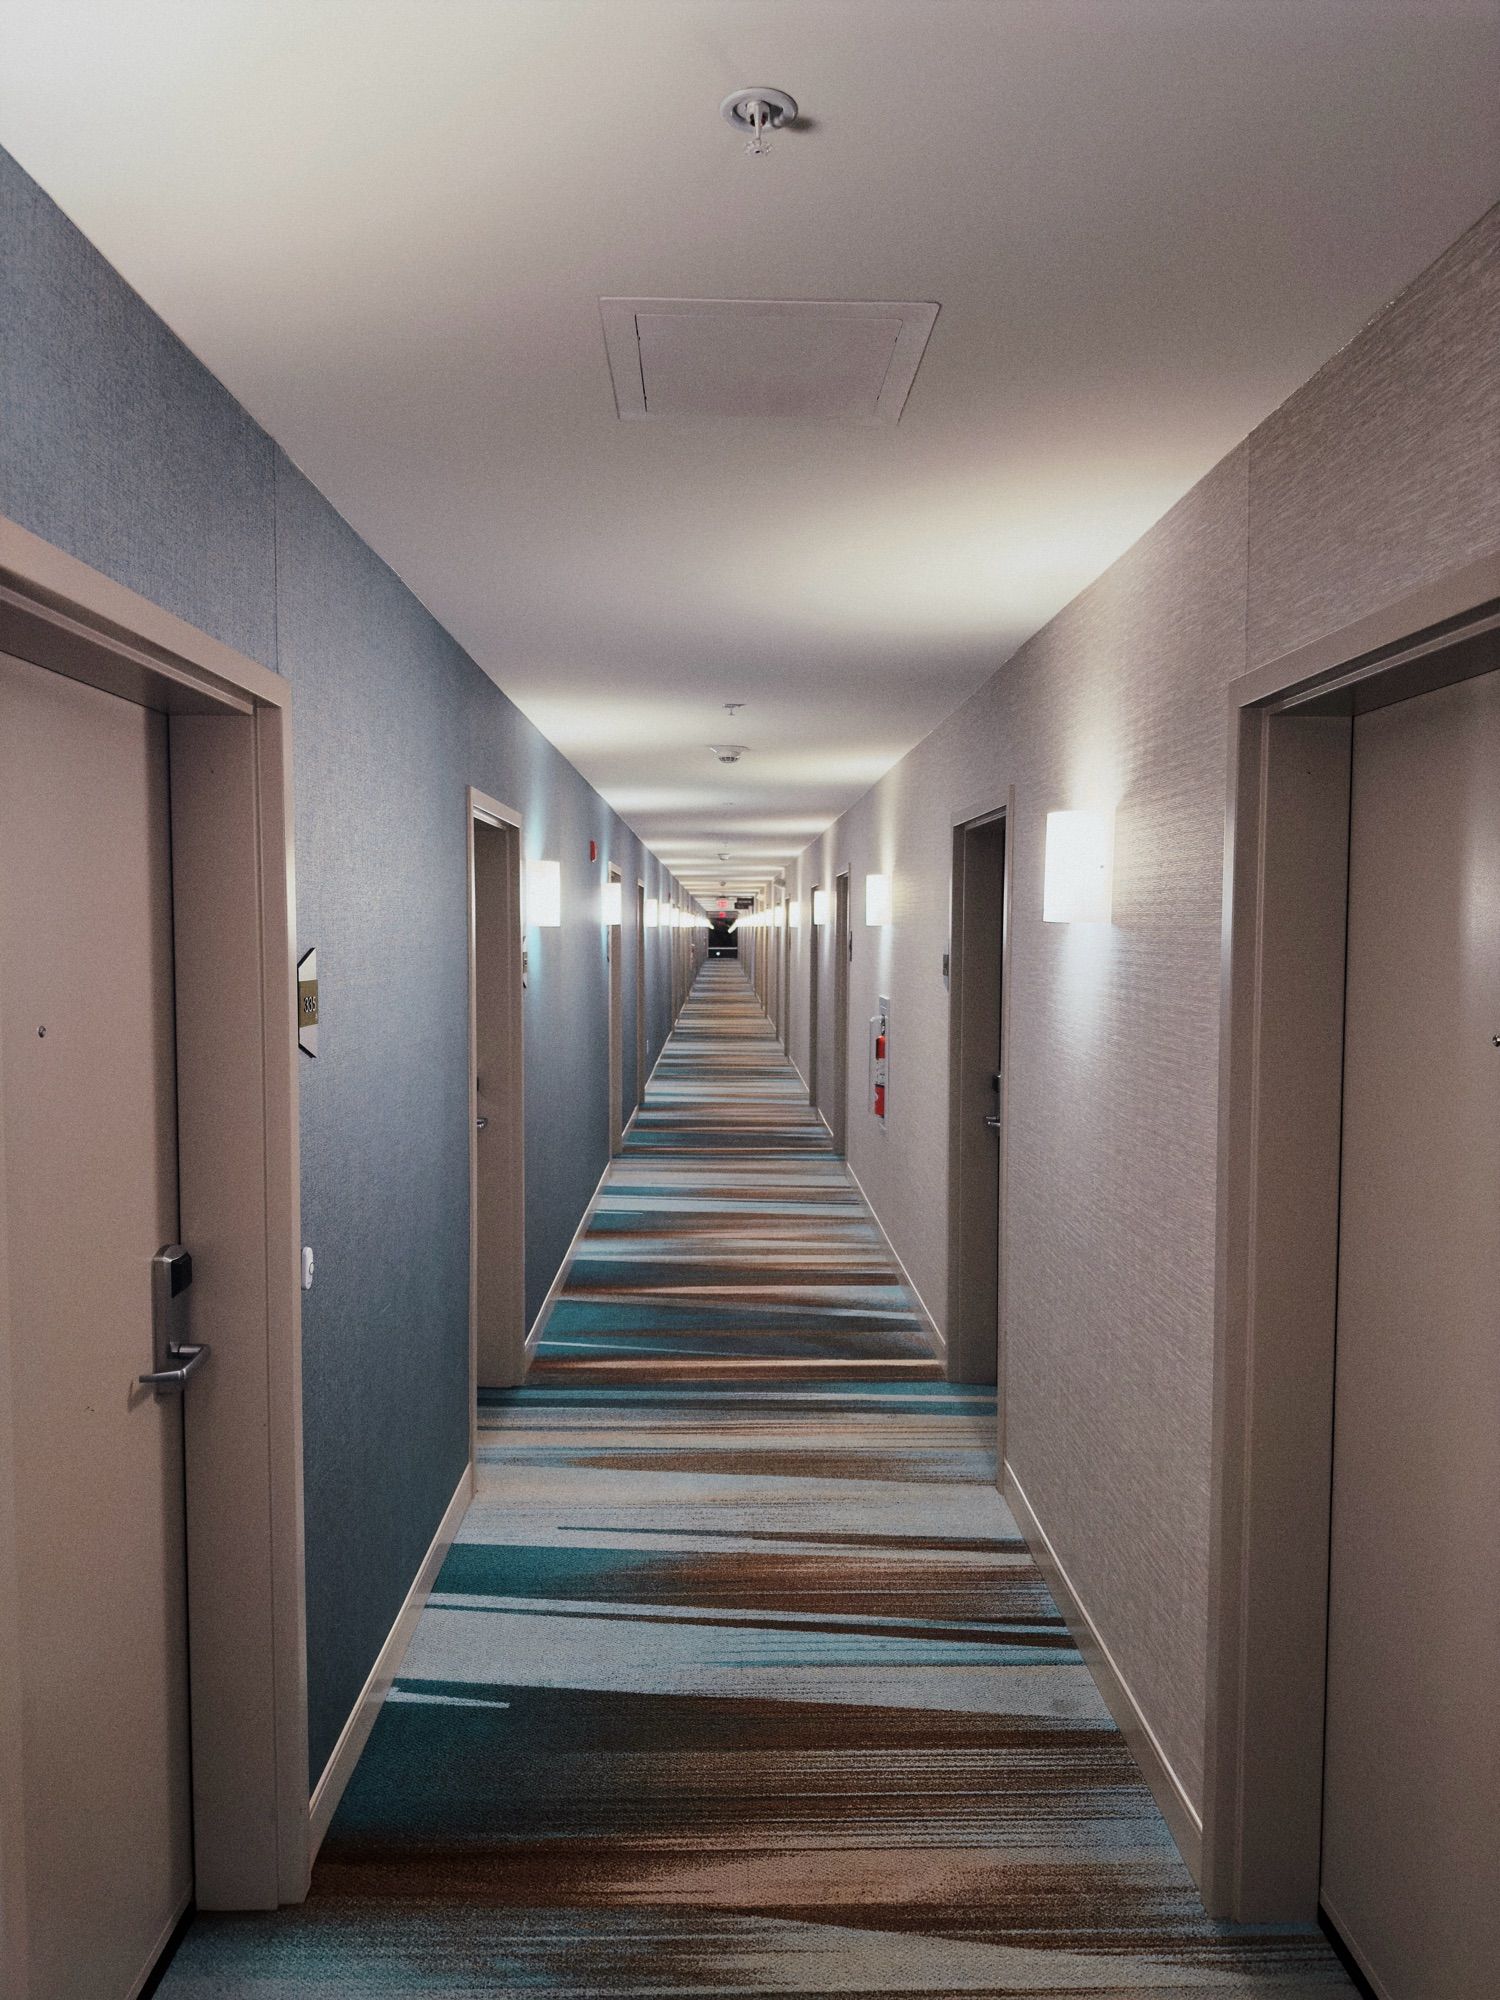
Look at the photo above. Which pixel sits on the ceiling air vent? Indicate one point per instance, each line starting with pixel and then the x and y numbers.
pixel 768 360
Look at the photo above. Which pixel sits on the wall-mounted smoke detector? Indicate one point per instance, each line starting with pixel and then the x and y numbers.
pixel 757 109
pixel 728 753
pixel 765 360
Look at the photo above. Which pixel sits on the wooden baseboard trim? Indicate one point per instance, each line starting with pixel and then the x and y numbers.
pixel 560 1275
pixel 356 1731
pixel 162 1948
pixel 934 1331
pixel 1181 1815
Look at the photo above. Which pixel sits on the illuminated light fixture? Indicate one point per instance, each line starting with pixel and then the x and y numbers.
pixel 778 916
pixel 614 902
pixel 877 899
pixel 651 913
pixel 1077 877
pixel 794 915
pixel 543 895
pixel 820 908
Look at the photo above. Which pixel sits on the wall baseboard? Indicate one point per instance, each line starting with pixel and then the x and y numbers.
pixel 1178 1810
pixel 356 1731
pixel 934 1331
pixel 560 1275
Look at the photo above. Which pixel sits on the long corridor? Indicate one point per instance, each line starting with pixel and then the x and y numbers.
pixel 739 1678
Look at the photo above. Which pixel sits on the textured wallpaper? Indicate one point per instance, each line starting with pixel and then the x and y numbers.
pixel 118 446
pixel 1383 474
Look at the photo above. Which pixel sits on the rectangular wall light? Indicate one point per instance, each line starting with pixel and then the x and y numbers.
pixel 820 908
pixel 614 902
pixel 651 913
pixel 877 899
pixel 1077 879
pixel 543 895
pixel 794 914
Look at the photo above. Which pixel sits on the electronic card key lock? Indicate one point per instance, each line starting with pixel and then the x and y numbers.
pixel 175 1355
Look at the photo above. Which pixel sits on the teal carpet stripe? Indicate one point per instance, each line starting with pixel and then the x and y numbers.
pixel 739 1678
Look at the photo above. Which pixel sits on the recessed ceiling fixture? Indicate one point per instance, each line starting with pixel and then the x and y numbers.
pixel 757 109
pixel 728 753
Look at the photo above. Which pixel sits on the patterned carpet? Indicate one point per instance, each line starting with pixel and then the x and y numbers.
pixel 739 1679
pixel 729 1242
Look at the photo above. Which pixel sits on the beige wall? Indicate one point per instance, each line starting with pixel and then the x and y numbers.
pixel 1382 474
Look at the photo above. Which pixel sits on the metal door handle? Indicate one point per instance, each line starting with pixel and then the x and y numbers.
pixel 994 1123
pixel 480 1123
pixel 172 1381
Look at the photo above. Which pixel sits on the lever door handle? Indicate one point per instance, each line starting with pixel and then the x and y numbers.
pixel 994 1123
pixel 172 1381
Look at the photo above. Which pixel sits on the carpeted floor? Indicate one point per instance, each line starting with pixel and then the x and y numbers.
pixel 739 1679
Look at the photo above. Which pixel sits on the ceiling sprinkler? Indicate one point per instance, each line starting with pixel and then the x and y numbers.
pixel 728 753
pixel 756 110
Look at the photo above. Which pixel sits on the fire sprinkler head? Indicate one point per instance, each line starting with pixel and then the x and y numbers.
pixel 728 753
pixel 756 109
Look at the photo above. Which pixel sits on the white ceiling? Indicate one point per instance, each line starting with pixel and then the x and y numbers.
pixel 386 224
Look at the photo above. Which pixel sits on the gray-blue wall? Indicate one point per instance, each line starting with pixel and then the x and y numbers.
pixel 118 446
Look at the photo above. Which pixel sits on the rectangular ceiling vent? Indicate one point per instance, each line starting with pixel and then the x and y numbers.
pixel 770 360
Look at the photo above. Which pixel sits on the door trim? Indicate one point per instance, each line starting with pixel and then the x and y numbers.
pixel 813 933
pixel 485 811
pixel 966 1337
pixel 229 747
pixel 614 952
pixel 1280 1107
pixel 641 1041
pixel 843 983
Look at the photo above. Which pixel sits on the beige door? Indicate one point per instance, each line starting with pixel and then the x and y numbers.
pixel 976 1044
pixel 640 993
pixel 814 955
pixel 613 935
pixel 497 1211
pixel 90 1194
pixel 836 1111
pixel 1411 1847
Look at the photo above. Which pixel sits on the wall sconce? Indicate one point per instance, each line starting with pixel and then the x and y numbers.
pixel 820 908
pixel 779 916
pixel 1077 878
pixel 543 895
pixel 651 913
pixel 877 899
pixel 614 902
pixel 794 915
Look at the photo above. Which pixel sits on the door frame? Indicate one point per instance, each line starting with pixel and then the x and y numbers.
pixel 1280 1115
pixel 640 993
pixel 614 945
pixel 970 1335
pixel 843 951
pixel 230 760
pixel 510 1364
pixel 814 949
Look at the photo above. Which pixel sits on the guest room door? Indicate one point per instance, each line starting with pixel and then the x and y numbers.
pixel 1411 1829
pixel 88 1195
